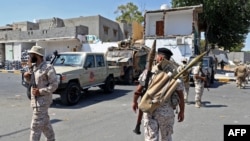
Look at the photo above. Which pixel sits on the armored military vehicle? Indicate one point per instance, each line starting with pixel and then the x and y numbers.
pixel 131 57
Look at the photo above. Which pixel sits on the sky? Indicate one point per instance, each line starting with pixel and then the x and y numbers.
pixel 31 10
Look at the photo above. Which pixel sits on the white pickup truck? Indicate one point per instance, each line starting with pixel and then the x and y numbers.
pixel 78 71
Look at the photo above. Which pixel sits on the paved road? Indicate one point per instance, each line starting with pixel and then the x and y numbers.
pixel 100 117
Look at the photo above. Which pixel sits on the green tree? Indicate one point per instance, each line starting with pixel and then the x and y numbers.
pixel 226 22
pixel 129 13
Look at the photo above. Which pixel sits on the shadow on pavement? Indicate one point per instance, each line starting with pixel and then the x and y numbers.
pixel 25 129
pixel 90 98
pixel 207 104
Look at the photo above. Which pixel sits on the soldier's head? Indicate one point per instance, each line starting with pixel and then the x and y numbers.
pixel 36 54
pixel 163 53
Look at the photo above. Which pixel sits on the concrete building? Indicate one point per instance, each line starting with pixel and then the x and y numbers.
pixel 56 34
pixel 239 57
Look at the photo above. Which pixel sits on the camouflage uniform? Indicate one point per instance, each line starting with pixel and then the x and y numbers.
pixel 185 78
pixel 247 74
pixel 199 86
pixel 46 81
pixel 241 74
pixel 161 120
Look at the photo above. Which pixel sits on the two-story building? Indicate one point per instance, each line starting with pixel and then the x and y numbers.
pixel 177 29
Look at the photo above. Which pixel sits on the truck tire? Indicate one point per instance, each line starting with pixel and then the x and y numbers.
pixel 128 77
pixel 72 94
pixel 109 85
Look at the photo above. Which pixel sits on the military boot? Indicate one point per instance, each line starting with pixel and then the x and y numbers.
pixel 137 129
pixel 197 104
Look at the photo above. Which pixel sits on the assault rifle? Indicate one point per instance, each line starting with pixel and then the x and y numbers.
pixel 33 84
pixel 150 61
pixel 207 78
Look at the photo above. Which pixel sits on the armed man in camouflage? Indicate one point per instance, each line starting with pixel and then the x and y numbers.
pixel 199 81
pixel 185 78
pixel 241 74
pixel 161 122
pixel 42 77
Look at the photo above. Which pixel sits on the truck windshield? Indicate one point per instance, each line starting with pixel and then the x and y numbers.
pixel 68 60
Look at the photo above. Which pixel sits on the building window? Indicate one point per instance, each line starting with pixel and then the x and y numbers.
pixel 106 30
pixel 114 32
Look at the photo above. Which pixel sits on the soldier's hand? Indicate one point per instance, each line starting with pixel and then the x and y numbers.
pixel 35 91
pixel 135 106
pixel 180 116
pixel 204 79
pixel 27 76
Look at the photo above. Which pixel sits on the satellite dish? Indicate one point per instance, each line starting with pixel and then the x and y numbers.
pixel 164 7
pixel 34 21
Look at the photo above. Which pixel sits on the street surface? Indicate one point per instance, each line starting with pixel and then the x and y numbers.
pixel 109 117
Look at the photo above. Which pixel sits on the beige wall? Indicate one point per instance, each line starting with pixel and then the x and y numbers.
pixel 137 30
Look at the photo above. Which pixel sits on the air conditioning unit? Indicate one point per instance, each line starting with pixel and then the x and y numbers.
pixel 179 40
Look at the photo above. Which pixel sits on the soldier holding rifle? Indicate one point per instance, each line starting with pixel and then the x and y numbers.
pixel 161 121
pixel 43 81
pixel 200 82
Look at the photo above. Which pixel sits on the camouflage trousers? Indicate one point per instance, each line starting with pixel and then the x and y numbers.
pixel 199 89
pixel 241 81
pixel 160 123
pixel 186 90
pixel 41 124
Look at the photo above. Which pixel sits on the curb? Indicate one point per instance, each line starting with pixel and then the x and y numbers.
pixel 225 79
pixel 11 71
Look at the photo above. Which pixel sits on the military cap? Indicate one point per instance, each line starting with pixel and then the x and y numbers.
pixel 165 52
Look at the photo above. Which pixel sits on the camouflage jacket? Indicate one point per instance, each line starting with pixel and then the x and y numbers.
pixel 46 81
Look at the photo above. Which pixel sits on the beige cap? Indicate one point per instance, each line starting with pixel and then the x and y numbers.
pixel 37 50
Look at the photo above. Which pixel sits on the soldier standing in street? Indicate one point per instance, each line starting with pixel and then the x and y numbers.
pixel 185 78
pixel 240 73
pixel 161 121
pixel 43 80
pixel 199 81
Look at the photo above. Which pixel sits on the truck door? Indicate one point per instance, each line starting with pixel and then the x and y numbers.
pixel 89 76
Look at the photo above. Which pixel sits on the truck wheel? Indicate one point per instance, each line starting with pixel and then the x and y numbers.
pixel 128 78
pixel 72 94
pixel 109 85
